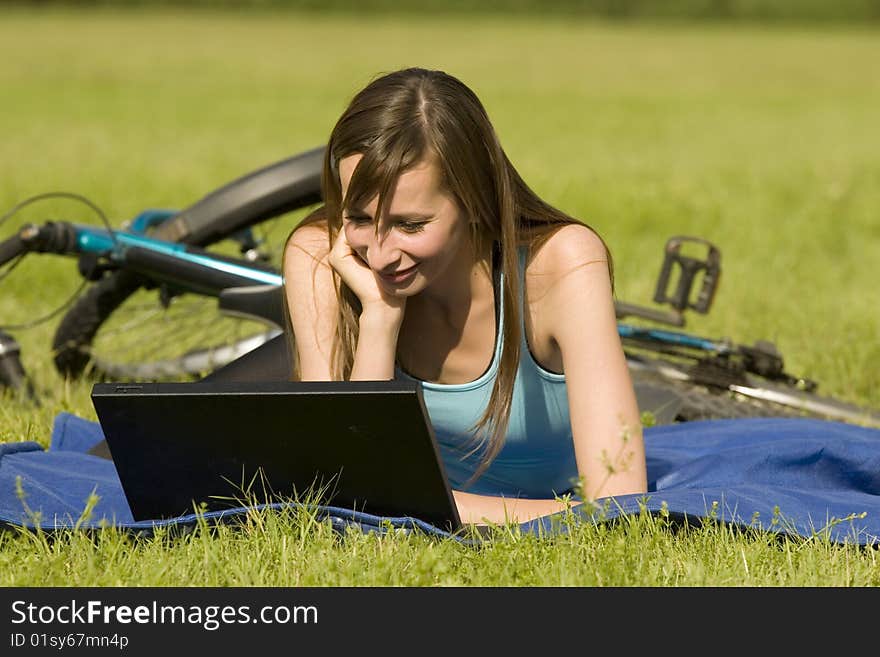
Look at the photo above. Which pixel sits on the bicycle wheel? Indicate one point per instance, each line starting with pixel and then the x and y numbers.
pixel 120 330
pixel 689 399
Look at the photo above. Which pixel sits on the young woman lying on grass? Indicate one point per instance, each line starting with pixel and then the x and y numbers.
pixel 431 259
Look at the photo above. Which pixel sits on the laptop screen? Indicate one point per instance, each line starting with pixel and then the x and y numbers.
pixel 366 446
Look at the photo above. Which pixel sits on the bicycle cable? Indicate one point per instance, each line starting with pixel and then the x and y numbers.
pixel 18 207
pixel 12 266
pixel 71 195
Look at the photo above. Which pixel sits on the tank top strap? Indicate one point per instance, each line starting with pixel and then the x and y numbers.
pixel 523 253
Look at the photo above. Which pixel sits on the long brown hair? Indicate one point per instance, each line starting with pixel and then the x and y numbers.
pixel 397 121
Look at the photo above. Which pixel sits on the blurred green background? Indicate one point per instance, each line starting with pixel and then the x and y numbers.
pixel 763 10
pixel 760 135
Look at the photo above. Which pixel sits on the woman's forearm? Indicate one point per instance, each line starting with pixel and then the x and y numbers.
pixel 483 509
pixel 376 351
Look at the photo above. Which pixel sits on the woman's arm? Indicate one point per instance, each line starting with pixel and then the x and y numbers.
pixel 380 319
pixel 578 309
pixel 311 300
pixel 485 509
pixel 576 305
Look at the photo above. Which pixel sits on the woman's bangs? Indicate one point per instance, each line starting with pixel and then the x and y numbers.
pixel 376 175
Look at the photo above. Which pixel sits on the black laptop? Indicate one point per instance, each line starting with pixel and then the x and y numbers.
pixel 366 446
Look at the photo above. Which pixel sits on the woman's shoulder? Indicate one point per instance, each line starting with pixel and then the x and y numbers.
pixel 310 237
pixel 561 269
pixel 307 250
pixel 564 249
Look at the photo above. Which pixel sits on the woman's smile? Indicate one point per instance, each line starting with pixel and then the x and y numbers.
pixel 400 276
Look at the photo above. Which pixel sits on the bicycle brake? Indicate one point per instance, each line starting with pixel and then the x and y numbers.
pixel 249 246
pixel 91 267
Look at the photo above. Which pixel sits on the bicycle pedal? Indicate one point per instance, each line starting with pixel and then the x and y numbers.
pixel 688 267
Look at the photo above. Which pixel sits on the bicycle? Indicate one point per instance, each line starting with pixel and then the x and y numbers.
pixel 163 255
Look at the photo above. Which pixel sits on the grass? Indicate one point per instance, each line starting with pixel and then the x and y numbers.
pixel 760 139
pixel 293 548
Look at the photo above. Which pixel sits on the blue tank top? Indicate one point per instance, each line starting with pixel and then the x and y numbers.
pixel 537 459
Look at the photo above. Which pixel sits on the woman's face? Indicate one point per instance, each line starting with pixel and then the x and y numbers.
pixel 423 232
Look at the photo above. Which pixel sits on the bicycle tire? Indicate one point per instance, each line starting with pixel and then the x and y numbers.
pixel 71 344
pixel 254 199
pixel 754 397
pixel 135 357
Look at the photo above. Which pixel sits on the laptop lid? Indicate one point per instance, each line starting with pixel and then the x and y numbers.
pixel 366 446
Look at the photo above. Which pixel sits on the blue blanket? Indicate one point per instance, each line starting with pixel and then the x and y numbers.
pixel 797 476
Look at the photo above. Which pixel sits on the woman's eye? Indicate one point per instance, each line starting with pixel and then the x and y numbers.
pixel 358 220
pixel 413 227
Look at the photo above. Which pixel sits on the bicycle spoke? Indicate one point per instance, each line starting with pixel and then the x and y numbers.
pixel 148 340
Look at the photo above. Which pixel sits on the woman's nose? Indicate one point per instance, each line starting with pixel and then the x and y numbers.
pixel 383 250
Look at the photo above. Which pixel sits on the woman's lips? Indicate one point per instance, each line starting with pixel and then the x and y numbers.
pixel 399 276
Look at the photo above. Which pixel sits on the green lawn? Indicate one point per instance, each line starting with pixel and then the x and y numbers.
pixel 763 140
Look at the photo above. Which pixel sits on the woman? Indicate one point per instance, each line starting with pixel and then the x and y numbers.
pixel 431 259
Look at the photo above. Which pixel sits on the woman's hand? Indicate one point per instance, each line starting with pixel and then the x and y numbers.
pixel 380 319
pixel 358 276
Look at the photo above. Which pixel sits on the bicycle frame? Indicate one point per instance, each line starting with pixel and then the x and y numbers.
pixel 191 268
pixel 185 268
